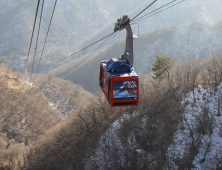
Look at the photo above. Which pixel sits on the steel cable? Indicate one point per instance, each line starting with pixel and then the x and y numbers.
pixel 37 41
pixel 141 19
pixel 91 54
pixel 46 39
pixel 81 49
pixel 144 9
pixel 33 29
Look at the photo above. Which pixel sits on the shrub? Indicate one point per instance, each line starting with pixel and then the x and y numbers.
pixel 50 77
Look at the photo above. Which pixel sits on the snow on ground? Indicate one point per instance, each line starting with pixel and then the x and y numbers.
pixel 204 111
pixel 195 130
pixel 110 145
pixel 57 102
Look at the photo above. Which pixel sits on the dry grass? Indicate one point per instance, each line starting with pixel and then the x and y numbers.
pixel 68 144
pixel 26 120
pixel 24 116
pixel 13 155
pixel 74 93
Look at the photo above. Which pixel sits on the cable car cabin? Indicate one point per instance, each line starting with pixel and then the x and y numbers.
pixel 118 80
pixel 120 89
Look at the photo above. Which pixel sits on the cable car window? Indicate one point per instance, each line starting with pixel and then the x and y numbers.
pixel 106 82
pixel 103 78
pixel 125 94
pixel 124 84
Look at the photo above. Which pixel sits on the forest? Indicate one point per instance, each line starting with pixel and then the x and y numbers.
pixel 35 137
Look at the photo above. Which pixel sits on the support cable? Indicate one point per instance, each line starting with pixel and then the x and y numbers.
pixel 32 33
pixel 91 54
pixel 81 49
pixel 159 11
pixel 45 39
pixel 37 41
pixel 144 10
pixel 154 10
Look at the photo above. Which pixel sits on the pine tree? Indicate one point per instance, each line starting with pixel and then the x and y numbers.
pixel 162 66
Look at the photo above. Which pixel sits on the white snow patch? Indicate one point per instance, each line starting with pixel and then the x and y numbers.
pixel 210 147
pixel 110 141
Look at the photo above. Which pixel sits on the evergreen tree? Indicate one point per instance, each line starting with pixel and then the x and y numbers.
pixel 162 66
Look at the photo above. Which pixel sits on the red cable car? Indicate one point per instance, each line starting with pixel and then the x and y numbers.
pixel 118 80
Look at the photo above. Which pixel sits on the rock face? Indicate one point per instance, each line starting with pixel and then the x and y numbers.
pixel 78 23
pixel 179 42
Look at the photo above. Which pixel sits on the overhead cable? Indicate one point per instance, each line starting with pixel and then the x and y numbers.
pixel 159 11
pixel 144 10
pixel 155 10
pixel 32 32
pixel 81 49
pixel 91 54
pixel 46 38
pixel 37 40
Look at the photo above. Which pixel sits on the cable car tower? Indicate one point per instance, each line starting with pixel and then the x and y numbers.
pixel 118 80
pixel 26 77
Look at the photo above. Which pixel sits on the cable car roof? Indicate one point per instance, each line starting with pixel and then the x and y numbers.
pixel 132 73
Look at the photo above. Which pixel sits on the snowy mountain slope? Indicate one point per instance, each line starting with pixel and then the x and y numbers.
pixel 202 128
pixel 108 144
pixel 196 144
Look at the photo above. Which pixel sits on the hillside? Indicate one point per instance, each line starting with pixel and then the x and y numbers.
pixel 24 116
pixel 179 42
pixel 196 143
pixel 27 112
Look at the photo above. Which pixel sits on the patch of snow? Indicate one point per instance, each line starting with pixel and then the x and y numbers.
pixel 208 143
pixel 210 146
pixel 110 142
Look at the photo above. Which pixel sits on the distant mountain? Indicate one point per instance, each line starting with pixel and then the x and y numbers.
pixel 184 13
pixel 197 40
pixel 73 22
pixel 77 23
